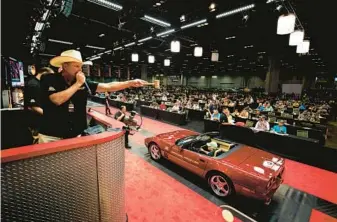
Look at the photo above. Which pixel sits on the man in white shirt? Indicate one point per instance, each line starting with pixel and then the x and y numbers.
pixel 262 124
pixel 196 106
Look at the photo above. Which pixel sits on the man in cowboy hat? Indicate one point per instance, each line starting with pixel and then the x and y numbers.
pixel 64 97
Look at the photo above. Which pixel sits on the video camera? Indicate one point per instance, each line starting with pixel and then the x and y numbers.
pixel 131 124
pixel 130 120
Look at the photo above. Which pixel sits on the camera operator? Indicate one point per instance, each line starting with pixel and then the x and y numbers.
pixel 121 116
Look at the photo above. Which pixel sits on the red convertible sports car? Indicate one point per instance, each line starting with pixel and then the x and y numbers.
pixel 228 167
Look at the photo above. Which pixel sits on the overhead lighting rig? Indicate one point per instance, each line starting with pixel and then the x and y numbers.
pixel 197 23
pixel 50 9
pixel 156 21
pixel 107 4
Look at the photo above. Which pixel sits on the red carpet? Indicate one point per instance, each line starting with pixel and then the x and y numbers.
pixel 153 196
pixel 317 216
pixel 315 181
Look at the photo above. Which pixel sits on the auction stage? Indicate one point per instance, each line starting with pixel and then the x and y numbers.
pixel 166 192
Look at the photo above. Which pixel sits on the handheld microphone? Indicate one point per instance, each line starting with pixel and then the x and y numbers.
pixel 89 63
pixel 86 85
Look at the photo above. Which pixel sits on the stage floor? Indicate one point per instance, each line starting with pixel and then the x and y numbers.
pixel 165 190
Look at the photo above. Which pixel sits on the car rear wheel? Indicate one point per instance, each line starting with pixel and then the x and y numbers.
pixel 220 184
pixel 155 152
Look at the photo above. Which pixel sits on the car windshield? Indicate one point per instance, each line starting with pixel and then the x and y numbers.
pixel 185 140
pixel 192 139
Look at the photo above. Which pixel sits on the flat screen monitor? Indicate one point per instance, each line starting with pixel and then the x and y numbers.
pixel 15 72
pixel 302 133
pixel 272 119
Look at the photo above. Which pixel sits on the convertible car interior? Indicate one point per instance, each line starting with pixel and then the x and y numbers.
pixel 201 144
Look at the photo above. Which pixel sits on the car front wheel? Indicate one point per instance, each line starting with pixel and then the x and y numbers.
pixel 155 152
pixel 220 184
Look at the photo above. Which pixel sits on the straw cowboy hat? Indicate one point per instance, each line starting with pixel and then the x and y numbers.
pixel 68 56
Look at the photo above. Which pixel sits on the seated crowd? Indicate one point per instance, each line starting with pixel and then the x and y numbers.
pixel 224 106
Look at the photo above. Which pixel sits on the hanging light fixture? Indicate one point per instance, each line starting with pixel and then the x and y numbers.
pixel 151 59
pixel 198 51
pixel 175 46
pixel 134 57
pixel 296 37
pixel 167 62
pixel 215 57
pixel 303 47
pixel 286 24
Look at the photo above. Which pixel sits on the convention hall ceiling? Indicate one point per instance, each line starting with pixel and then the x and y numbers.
pixel 245 40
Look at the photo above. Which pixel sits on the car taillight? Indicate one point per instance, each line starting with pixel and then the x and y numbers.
pixel 271 182
pixel 281 173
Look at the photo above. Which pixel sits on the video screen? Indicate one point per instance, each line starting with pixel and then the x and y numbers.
pixel 15 71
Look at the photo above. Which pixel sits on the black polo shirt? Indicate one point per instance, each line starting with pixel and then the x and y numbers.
pixel 68 119
pixel 32 98
pixel 32 93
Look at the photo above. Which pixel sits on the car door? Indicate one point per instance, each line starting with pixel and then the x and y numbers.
pixel 175 154
pixel 194 162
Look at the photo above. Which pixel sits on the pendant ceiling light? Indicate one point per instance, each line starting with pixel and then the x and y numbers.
pixel 134 57
pixel 303 47
pixel 167 62
pixel 175 46
pixel 198 51
pixel 215 57
pixel 151 59
pixel 296 37
pixel 286 24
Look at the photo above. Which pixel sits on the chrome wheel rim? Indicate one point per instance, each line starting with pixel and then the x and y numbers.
pixel 219 185
pixel 155 152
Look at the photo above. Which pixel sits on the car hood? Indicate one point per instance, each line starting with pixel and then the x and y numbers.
pixel 172 137
pixel 256 161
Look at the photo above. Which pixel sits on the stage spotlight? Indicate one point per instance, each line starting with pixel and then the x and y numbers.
pixel 245 18
pixel 212 7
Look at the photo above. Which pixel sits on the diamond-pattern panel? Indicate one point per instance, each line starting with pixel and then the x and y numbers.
pixel 55 187
pixel 111 163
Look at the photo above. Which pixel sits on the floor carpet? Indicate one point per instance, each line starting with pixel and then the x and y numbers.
pixel 153 196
